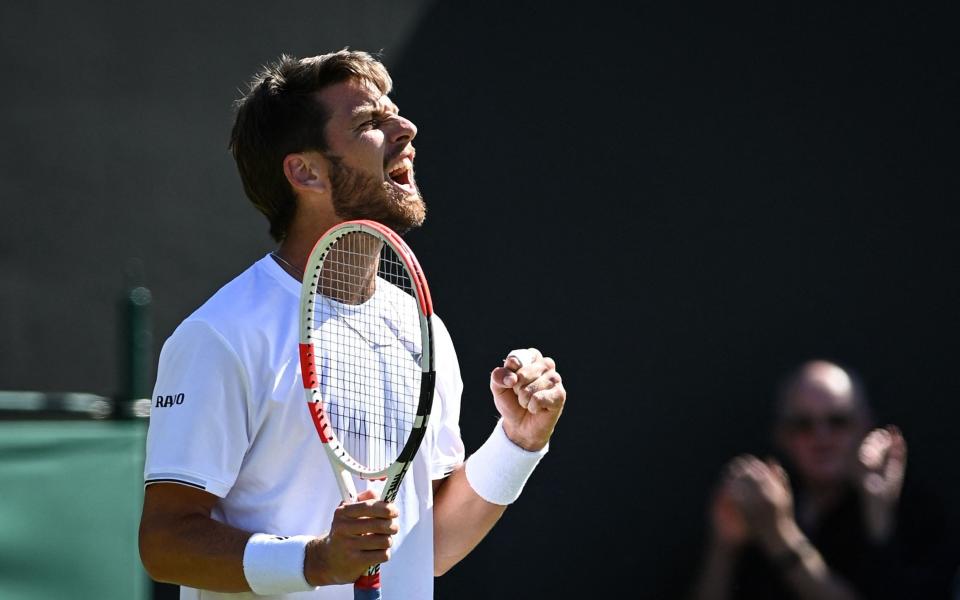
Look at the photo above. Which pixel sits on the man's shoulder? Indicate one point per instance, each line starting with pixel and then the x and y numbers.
pixel 254 301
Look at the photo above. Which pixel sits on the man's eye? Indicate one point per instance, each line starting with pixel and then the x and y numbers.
pixel 375 122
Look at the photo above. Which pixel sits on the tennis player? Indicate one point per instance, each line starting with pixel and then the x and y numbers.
pixel 240 498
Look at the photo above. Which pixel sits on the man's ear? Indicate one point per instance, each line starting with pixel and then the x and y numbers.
pixel 306 171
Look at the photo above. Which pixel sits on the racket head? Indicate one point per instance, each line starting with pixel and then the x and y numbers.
pixel 366 349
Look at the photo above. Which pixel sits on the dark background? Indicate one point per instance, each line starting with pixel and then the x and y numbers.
pixel 679 203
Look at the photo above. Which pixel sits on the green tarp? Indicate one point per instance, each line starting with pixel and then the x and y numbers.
pixel 70 498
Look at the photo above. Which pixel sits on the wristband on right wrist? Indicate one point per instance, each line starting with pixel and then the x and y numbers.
pixel 273 564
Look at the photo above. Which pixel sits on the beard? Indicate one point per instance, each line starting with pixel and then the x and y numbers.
pixel 357 195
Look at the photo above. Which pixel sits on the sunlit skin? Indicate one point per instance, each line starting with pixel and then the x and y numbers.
pixel 370 157
pixel 367 131
pixel 367 142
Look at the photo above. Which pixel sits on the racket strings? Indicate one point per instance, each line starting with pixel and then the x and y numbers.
pixel 367 331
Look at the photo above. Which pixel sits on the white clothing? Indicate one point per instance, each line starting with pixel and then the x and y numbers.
pixel 230 416
pixel 382 334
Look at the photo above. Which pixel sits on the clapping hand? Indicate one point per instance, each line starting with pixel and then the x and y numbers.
pixel 729 526
pixel 761 493
pixel 882 466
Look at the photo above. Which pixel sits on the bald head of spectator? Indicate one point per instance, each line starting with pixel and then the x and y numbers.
pixel 822 417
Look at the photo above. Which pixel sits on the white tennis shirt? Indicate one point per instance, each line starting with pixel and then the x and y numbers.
pixel 230 417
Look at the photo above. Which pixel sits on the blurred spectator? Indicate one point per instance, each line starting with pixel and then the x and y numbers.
pixel 843 527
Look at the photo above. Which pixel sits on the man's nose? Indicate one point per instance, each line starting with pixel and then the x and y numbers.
pixel 404 130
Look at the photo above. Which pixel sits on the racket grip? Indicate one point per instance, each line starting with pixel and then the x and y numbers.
pixel 367 587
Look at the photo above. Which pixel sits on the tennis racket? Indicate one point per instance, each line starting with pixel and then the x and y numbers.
pixel 366 354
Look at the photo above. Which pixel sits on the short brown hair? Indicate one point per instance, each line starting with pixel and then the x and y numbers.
pixel 281 114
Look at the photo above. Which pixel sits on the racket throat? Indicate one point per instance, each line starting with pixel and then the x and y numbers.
pixel 348 491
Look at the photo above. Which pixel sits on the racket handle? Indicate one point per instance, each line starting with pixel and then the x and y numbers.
pixel 367 587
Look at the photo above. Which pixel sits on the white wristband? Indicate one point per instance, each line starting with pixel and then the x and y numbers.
pixel 273 564
pixel 498 470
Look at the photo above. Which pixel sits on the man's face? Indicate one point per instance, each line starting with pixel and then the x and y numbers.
pixel 821 428
pixel 371 155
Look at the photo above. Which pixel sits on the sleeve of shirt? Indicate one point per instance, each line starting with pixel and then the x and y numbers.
pixel 447 450
pixel 199 429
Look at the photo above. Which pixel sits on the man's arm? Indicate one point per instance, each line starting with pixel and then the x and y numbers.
pixel 180 542
pixel 762 494
pixel 461 519
pixel 528 392
pixel 729 534
pixel 802 566
pixel 879 477
pixel 716 578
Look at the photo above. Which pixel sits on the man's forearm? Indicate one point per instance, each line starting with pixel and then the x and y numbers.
pixel 180 543
pixel 716 578
pixel 803 567
pixel 194 551
pixel 461 519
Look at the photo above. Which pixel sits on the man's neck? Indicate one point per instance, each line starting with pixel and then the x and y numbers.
pixel 350 268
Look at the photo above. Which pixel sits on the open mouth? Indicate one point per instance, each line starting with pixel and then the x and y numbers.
pixel 402 173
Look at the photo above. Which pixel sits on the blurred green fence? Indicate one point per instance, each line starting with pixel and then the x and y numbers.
pixel 71 476
pixel 71 488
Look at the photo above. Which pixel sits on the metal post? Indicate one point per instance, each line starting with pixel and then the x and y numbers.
pixel 137 342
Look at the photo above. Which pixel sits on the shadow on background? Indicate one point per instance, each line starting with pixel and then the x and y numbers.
pixel 680 204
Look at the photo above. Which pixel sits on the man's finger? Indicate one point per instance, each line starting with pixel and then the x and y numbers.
pixel 874 449
pixel 501 378
pixel 545 381
pixel 526 391
pixel 370 509
pixel 522 357
pixel 375 557
pixel 367 495
pixel 737 466
pixel 896 457
pixel 367 527
pixel 777 469
pixel 753 466
pixel 527 394
pixel 550 399
pixel 898 445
